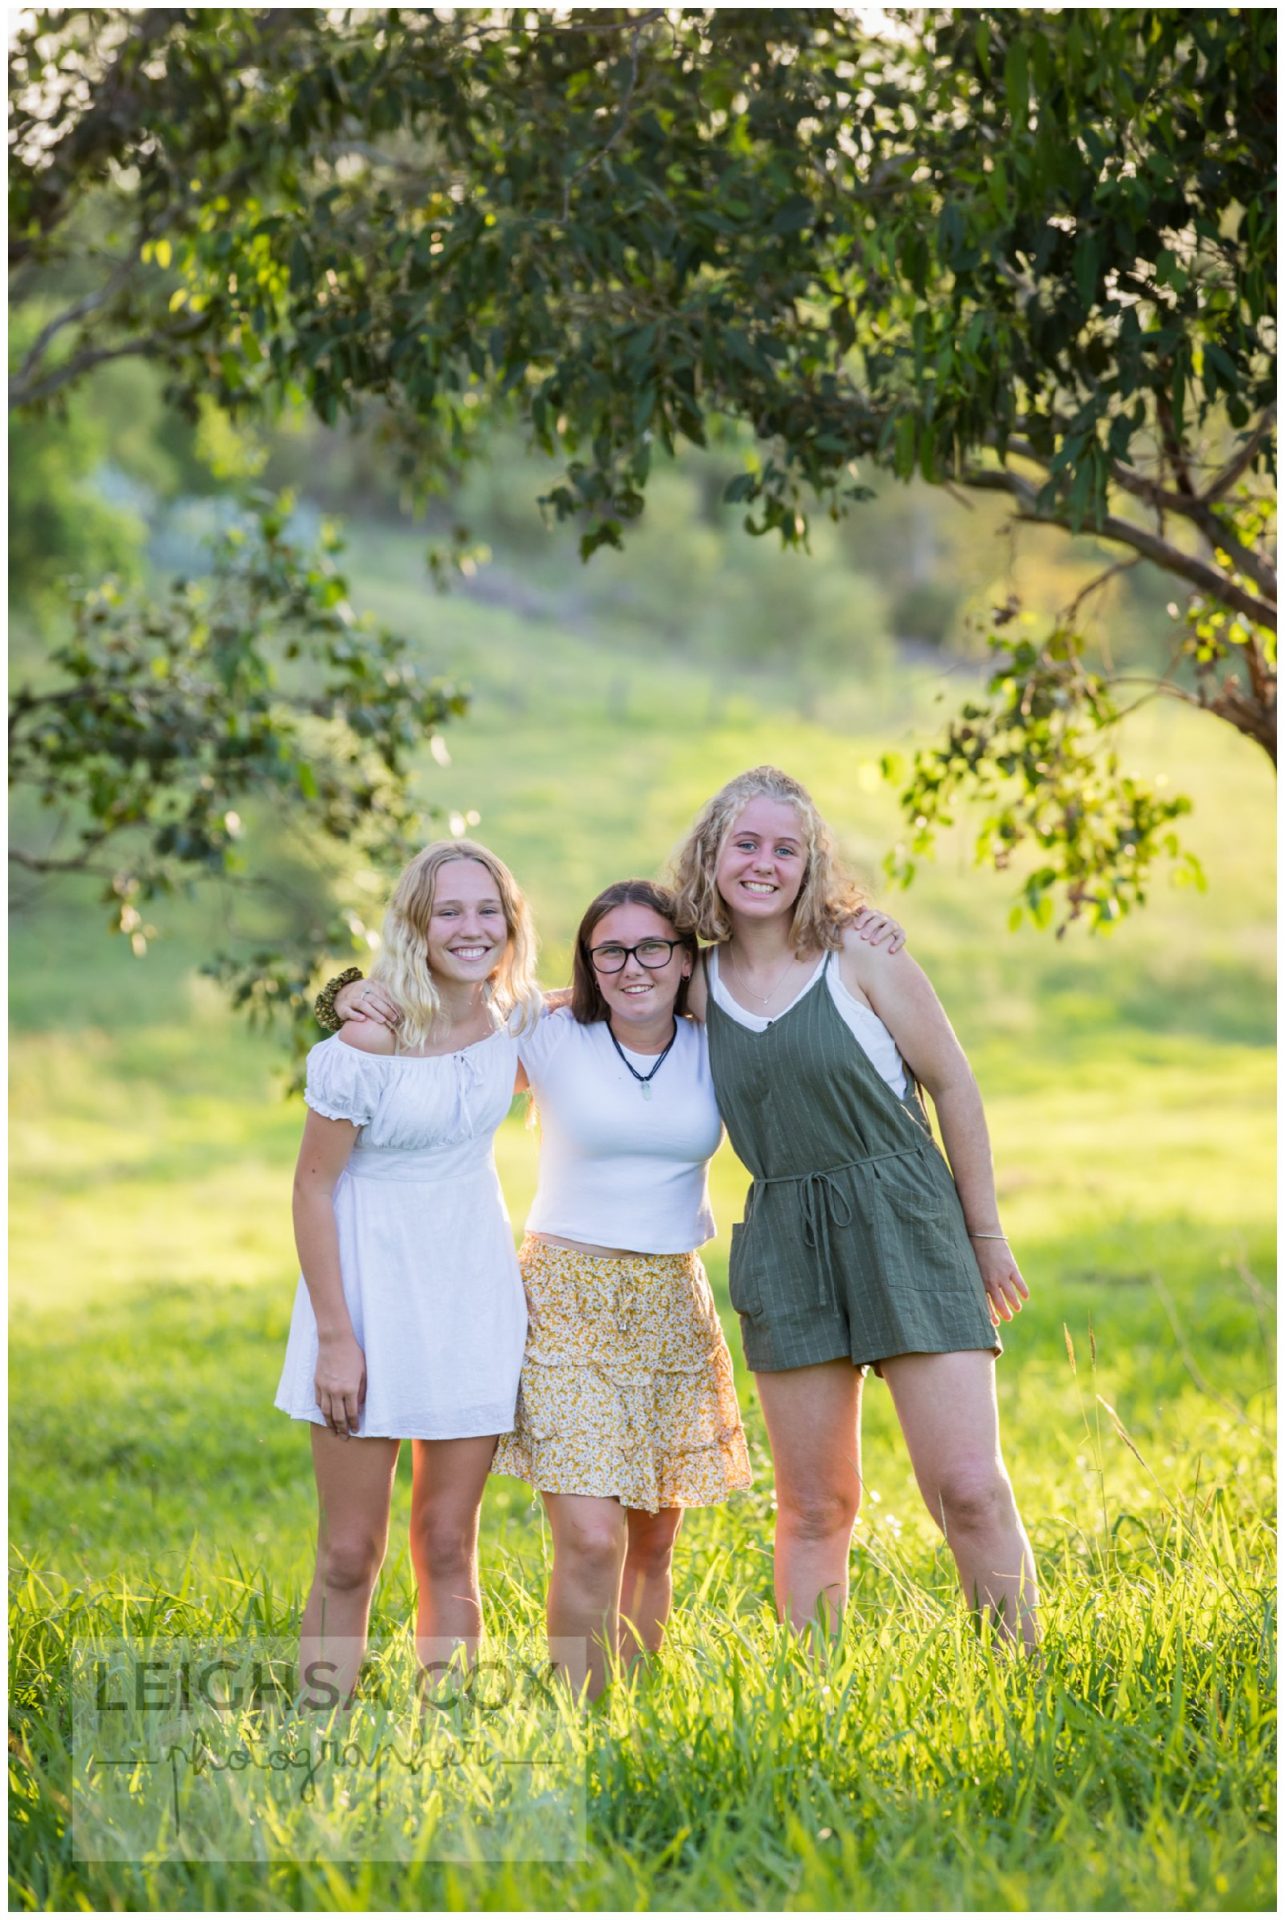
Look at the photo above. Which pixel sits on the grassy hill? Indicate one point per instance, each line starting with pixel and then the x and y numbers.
pixel 1129 1083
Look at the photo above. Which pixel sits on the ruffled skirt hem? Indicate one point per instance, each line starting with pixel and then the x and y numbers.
pixel 627 1389
pixel 567 1463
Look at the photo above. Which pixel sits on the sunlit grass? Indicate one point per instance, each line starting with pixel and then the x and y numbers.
pixel 909 1768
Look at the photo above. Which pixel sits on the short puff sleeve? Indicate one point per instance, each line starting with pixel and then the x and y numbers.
pixel 341 1082
pixel 537 1047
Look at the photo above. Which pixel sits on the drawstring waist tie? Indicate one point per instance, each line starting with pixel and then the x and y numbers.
pixel 823 1204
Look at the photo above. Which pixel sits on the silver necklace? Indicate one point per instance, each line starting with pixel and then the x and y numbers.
pixel 763 998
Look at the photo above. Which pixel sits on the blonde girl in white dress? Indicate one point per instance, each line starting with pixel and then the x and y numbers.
pixel 410 1318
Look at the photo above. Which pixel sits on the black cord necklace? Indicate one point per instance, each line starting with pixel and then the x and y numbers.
pixel 644 1079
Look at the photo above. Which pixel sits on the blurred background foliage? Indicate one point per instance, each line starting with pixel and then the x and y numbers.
pixel 664 274
pixel 119 481
pixel 887 610
pixel 690 626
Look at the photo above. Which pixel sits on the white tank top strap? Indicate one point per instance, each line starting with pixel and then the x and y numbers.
pixel 864 1024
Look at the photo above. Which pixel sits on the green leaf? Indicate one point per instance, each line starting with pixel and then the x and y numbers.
pixel 1016 78
pixel 793 217
pixel 605 534
pixel 1087 254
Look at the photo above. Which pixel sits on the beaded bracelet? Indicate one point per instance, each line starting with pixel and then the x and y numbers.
pixel 324 1006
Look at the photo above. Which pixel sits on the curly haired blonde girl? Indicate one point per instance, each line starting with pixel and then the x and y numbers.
pixel 827 899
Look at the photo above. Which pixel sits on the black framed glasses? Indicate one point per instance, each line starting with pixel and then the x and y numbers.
pixel 652 954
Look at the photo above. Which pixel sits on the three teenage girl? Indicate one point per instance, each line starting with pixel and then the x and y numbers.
pixel 858 1248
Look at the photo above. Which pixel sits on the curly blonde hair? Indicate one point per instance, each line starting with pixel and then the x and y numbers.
pixel 827 899
pixel 402 965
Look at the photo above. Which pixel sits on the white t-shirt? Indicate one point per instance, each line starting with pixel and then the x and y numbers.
pixel 618 1169
pixel 862 1022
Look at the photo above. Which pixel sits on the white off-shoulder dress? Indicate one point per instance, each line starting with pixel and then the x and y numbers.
pixel 425 1246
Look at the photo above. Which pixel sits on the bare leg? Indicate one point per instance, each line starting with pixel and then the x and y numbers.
pixel 814 1424
pixel 584 1588
pixel 446 1501
pixel 948 1413
pixel 354 1488
pixel 647 1589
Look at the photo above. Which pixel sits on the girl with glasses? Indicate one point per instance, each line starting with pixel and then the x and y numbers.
pixel 627 1412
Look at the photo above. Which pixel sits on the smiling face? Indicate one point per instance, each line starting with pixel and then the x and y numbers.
pixel 467 931
pixel 638 994
pixel 764 860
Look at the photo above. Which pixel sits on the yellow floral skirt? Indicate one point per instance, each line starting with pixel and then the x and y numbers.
pixel 627 1390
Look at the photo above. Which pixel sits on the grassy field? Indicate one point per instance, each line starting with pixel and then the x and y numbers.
pixel 1129 1085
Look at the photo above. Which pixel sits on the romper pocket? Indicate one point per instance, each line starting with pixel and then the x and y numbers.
pixel 742 1278
pixel 920 1240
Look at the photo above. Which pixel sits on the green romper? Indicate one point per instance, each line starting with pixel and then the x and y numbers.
pixel 853 1244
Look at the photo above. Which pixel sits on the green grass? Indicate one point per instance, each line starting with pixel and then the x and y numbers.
pixel 1129 1085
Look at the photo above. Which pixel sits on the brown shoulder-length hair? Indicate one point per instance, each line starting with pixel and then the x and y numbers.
pixel 828 897
pixel 587 1003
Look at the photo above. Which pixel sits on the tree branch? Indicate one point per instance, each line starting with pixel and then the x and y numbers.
pixel 78 862
pixel 1243 460
pixel 1025 451
pixel 1253 717
pixel 1099 581
pixel 1191 507
pixel 1198 573
pixel 1175 452
pixel 146 346
pixel 79 310
pixel 1197 509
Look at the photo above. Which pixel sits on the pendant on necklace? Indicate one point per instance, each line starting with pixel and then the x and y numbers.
pixel 646 1089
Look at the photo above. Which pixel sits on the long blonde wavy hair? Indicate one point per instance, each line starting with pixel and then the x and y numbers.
pixel 828 897
pixel 402 966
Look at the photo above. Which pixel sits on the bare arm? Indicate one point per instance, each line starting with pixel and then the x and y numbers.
pixel 366 1003
pixel 340 1384
pixel 898 990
